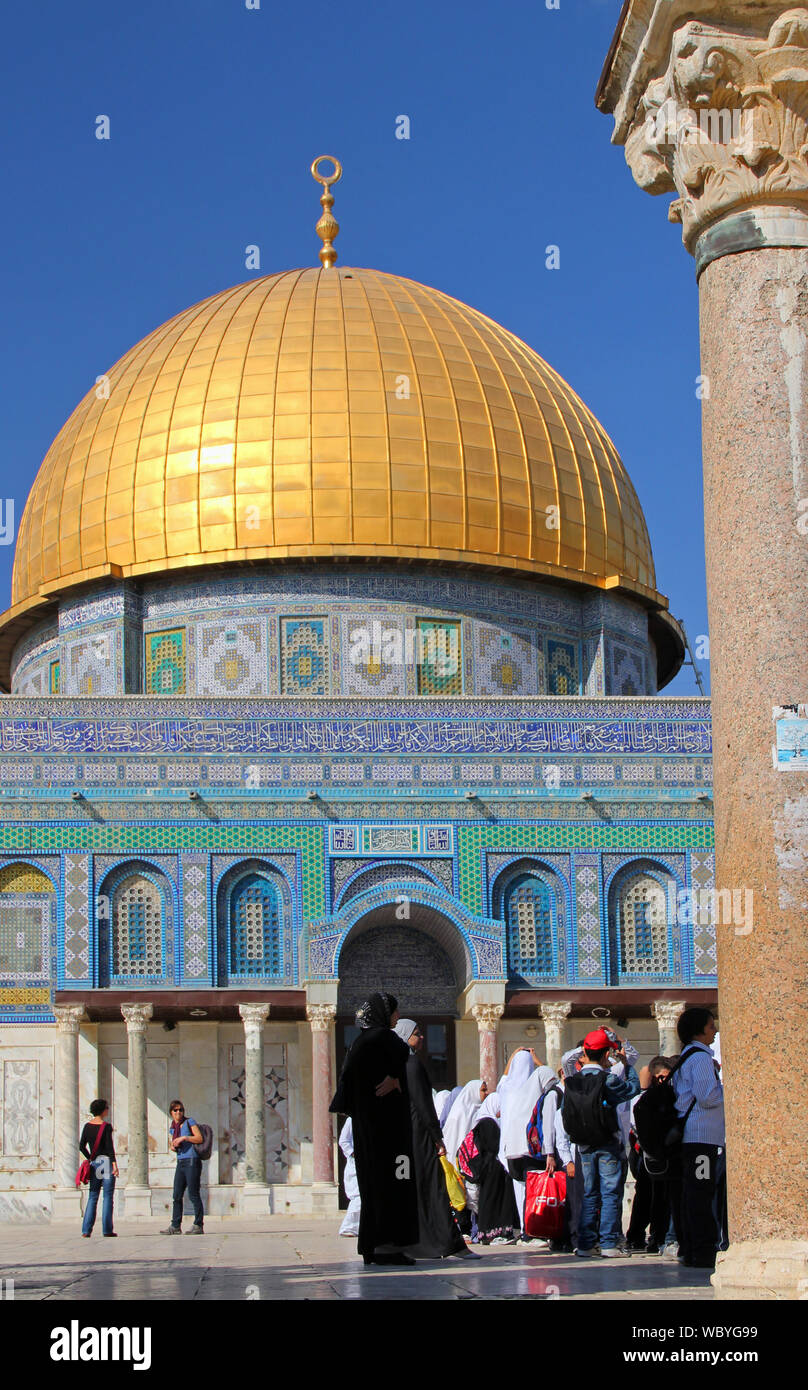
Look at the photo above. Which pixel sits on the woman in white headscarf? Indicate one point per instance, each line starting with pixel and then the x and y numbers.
pixel 451 1097
pixel 461 1117
pixel 541 1090
pixel 520 1066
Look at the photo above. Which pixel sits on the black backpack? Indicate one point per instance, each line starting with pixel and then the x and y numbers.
pixel 658 1125
pixel 586 1115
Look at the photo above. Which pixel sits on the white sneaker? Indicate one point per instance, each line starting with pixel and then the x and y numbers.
pixel 669 1252
pixel 585 1254
pixel 612 1252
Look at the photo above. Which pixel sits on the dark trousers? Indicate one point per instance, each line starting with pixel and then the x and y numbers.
pixel 187 1176
pixel 698 1231
pixel 650 1208
pixel 575 1197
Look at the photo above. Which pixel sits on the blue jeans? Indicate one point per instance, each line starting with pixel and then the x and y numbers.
pixel 100 1177
pixel 187 1175
pixel 604 1173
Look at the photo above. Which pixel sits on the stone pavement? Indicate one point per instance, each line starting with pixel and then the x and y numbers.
pixel 284 1257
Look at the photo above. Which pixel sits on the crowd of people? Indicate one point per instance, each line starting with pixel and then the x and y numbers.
pixel 432 1175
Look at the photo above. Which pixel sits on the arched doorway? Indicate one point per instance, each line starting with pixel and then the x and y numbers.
pixel 411 964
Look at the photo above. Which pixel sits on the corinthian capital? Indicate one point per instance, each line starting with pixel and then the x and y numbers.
pixel 717 113
pixel 667 1012
pixel 321 1016
pixel 137 1016
pixel 555 1011
pixel 253 1015
pixel 487 1016
pixel 68 1017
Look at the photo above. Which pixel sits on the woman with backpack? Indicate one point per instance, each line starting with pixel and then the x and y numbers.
pixel 185 1136
pixel 101 1170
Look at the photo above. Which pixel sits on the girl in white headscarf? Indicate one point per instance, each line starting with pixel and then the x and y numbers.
pixel 520 1066
pixel 541 1088
pixel 462 1115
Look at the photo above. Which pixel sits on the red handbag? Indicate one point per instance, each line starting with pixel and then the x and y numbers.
pixel 85 1167
pixel 544 1204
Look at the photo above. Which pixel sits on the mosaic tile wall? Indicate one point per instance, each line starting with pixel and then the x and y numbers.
pixel 296 632
pixel 647 763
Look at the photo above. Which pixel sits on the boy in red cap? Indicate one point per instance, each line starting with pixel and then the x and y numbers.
pixel 589 1115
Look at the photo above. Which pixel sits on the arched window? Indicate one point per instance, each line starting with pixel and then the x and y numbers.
pixel 642 921
pixel 137 929
pixel 254 928
pixel 26 910
pixel 529 917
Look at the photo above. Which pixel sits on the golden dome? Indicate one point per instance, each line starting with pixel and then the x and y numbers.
pixel 330 413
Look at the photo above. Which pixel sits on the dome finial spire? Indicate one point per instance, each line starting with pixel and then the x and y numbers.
pixel 328 226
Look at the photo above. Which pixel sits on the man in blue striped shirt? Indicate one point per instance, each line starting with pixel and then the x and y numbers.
pixel 700 1096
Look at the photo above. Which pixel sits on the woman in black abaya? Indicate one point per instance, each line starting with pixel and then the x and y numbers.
pixel 438 1232
pixel 372 1089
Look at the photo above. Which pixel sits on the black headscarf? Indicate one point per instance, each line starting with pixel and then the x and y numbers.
pixel 376 1011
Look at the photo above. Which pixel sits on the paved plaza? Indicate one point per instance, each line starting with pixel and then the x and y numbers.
pixel 303 1258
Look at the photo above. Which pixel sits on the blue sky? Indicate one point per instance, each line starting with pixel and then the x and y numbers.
pixel 216 112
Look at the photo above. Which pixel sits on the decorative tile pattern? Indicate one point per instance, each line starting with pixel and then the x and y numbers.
pixel 165 662
pixel 374 655
pixel 77 962
pixel 304 656
pixel 627 671
pixel 506 663
pixel 587 902
pixel 439 657
pixel 231 658
pixel 196 912
pixel 563 677
pixel 705 951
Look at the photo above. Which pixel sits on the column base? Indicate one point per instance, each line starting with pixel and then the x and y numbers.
pixel 255 1199
pixel 137 1203
pixel 762 1269
pixel 324 1199
pixel 66 1204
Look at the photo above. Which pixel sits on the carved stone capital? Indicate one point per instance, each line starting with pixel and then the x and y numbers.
pixel 253 1015
pixel 555 1011
pixel 717 113
pixel 487 1016
pixel 137 1016
pixel 667 1012
pixel 321 1016
pixel 68 1017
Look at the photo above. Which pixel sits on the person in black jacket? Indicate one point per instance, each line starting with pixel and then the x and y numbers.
pixel 438 1232
pixel 372 1089
pixel 96 1145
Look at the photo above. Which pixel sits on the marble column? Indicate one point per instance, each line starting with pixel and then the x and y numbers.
pixel 138 1191
pixel 716 112
pixel 321 1018
pixel 553 1013
pixel 488 1016
pixel 255 1195
pixel 667 1012
pixel 66 1199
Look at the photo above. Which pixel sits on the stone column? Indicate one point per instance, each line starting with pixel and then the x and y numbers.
pixel 553 1012
pixel 66 1199
pixel 137 1192
pixel 715 111
pixel 666 1012
pixel 488 1016
pixel 255 1194
pixel 321 1018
